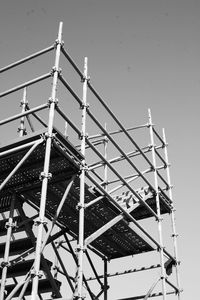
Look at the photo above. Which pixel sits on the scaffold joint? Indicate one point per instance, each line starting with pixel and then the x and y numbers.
pixel 51 100
pixel 80 248
pixel 84 78
pixel 174 235
pixel 57 42
pixel 38 221
pixel 33 273
pixel 10 224
pixel 54 69
pixel 22 102
pixel 4 264
pixel 22 130
pixel 82 135
pixel 79 206
pixel 45 175
pixel 84 105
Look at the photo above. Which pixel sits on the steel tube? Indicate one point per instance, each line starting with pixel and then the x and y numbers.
pixel 93 269
pixel 23 105
pixel 63 267
pixel 158 136
pixel 68 57
pixel 81 243
pixel 68 120
pixel 20 164
pixel 57 213
pixel 27 112
pixel 18 148
pixel 120 158
pixel 46 166
pixel 125 272
pixel 117 131
pixel 66 84
pixel 174 233
pixel 163 273
pixel 23 85
pixel 118 122
pixel 119 149
pixel 7 249
pixel 23 60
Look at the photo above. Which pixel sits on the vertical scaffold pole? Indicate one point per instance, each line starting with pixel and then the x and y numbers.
pixel 174 233
pixel 80 247
pixel 163 275
pixel 9 226
pixel 106 188
pixel 45 174
pixel 23 106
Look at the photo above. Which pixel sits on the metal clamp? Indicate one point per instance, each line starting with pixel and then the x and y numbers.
pixel 81 135
pixel 4 264
pixel 79 248
pixel 54 69
pixel 45 175
pixel 57 42
pixel 84 105
pixel 38 221
pixel 33 273
pixel 79 206
pixel 10 224
pixel 51 100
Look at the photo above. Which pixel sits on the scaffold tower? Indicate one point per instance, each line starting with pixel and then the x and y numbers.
pixel 86 203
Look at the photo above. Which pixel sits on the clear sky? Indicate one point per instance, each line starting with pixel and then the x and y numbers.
pixel 142 53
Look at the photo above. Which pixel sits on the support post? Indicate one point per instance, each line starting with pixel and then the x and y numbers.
pixel 45 177
pixel 105 279
pixel 159 220
pixel 174 233
pixel 105 166
pixel 79 283
pixel 22 129
pixel 7 248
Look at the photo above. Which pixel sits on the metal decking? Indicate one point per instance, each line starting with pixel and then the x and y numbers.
pixel 118 241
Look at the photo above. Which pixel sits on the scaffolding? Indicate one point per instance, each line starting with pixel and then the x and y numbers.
pixel 72 203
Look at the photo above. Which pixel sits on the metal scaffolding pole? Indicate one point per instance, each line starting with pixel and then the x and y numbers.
pixel 174 233
pixel 45 174
pixel 159 220
pixel 80 247
pixel 9 226
pixel 22 129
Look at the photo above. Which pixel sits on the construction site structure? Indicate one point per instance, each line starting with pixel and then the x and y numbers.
pixel 73 203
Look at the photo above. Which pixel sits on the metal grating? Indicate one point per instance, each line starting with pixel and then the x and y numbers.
pixel 118 241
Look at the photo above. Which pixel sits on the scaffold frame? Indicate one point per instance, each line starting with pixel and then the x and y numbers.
pixel 77 200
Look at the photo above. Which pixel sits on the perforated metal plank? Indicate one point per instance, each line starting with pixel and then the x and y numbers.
pixel 65 160
pixel 118 241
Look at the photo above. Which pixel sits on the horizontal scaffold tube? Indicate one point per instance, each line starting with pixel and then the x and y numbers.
pixel 125 272
pixel 151 296
pixel 119 149
pixel 25 84
pixel 117 131
pixel 27 112
pixel 23 60
pixel 120 158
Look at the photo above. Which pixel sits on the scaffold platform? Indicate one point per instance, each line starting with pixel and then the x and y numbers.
pixel 73 202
